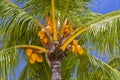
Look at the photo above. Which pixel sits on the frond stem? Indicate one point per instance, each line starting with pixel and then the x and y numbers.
pixel 32 46
pixel 75 30
pixel 54 22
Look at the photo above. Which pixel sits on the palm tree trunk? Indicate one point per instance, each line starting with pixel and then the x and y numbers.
pixel 56 70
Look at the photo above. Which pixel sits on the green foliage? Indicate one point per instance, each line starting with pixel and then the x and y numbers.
pixel 45 5
pixel 41 71
pixel 91 68
pixel 18 26
pixel 114 63
pixel 40 8
pixel 82 17
pixel 104 33
pixel 69 65
pixel 107 72
pixel 8 62
pixel 85 67
pixel 37 71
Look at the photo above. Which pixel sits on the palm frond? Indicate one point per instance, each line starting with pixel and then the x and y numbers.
pixel 17 26
pixel 114 63
pixel 83 17
pixel 40 8
pixel 23 72
pixel 69 65
pixel 37 71
pixel 37 8
pixel 8 62
pixel 106 71
pixel 91 68
pixel 83 69
pixel 104 33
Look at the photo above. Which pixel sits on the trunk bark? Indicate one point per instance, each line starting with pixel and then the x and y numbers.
pixel 56 70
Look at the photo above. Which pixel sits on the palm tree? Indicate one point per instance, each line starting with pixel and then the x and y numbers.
pixel 55 37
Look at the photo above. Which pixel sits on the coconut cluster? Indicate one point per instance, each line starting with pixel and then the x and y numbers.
pixel 33 56
pixel 76 48
pixel 65 31
pixel 43 36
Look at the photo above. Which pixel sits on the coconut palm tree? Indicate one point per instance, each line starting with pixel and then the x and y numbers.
pixel 56 37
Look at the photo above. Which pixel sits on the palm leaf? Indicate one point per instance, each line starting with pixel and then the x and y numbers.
pixel 104 33
pixel 91 68
pixel 107 71
pixel 63 8
pixel 69 65
pixel 17 25
pixel 24 71
pixel 37 71
pixel 8 62
pixel 114 63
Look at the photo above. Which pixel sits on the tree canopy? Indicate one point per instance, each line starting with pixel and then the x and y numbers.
pixel 21 21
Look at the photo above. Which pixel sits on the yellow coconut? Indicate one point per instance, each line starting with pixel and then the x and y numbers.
pixel 73 48
pixel 39 58
pixel 45 40
pixel 34 56
pixel 67 31
pixel 32 61
pixel 29 52
pixel 68 27
pixel 80 50
pixel 41 34
pixel 75 42
pixel 64 32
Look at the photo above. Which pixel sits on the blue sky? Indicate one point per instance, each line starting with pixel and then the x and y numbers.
pixel 105 6
pixel 99 6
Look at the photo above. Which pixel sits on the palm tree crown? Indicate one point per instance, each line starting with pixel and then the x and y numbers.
pixel 59 32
